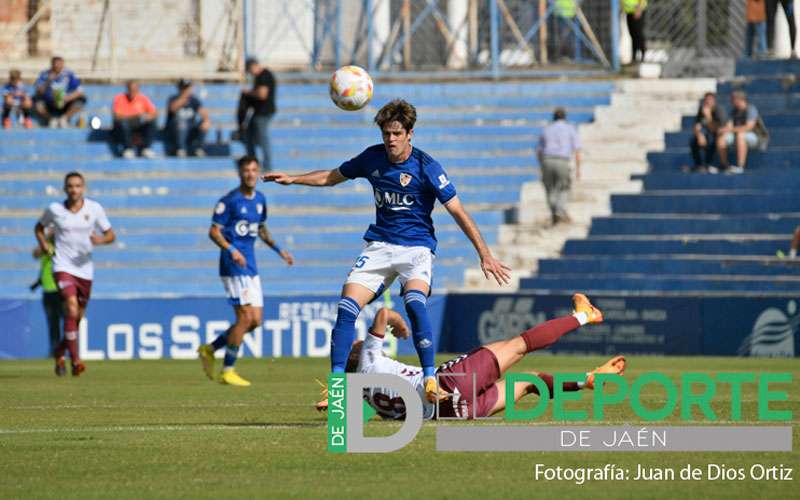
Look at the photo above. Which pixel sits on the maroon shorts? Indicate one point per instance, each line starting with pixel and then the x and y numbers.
pixel 72 286
pixel 472 379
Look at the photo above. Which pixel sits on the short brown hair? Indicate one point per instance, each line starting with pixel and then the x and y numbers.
pixel 14 74
pixel 397 110
pixel 72 174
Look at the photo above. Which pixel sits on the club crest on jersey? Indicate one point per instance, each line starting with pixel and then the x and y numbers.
pixel 405 179
pixel 259 208
pixel 86 217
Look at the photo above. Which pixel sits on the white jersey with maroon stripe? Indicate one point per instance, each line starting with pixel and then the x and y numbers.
pixel 386 401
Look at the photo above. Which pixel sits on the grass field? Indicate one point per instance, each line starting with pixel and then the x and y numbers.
pixel 159 429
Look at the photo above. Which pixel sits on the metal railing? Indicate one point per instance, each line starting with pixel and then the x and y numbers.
pixel 116 39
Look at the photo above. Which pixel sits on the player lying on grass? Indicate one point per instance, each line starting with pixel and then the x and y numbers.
pixel 475 380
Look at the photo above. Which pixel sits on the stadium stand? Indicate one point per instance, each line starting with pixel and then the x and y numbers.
pixel 696 232
pixel 161 208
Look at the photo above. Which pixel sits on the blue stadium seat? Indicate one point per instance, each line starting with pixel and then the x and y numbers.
pixel 484 135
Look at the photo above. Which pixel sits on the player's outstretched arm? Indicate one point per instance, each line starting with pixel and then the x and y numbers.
pixel 489 264
pixel 317 178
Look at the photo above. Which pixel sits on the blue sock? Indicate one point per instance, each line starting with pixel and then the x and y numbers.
pixel 416 307
pixel 343 333
pixel 230 356
pixel 221 341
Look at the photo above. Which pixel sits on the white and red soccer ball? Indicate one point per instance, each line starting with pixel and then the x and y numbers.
pixel 351 88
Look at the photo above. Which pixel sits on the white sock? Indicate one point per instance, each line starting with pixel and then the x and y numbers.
pixel 582 317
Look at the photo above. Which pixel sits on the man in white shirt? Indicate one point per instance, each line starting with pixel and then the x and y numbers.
pixel 78 224
pixel 474 381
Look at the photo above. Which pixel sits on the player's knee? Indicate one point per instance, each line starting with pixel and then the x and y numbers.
pixel 415 302
pixel 71 308
pixel 255 320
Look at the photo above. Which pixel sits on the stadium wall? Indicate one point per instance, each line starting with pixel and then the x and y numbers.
pixel 300 326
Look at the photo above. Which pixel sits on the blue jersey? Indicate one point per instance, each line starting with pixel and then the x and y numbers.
pixel 404 195
pixel 239 218
pixel 17 92
pixel 65 82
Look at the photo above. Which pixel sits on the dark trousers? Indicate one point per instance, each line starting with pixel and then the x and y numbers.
pixel 184 134
pixel 702 157
pixel 53 311
pixel 772 9
pixel 258 137
pixel 124 131
pixel 636 30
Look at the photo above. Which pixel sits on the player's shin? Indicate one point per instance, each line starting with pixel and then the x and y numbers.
pixel 231 353
pixel 344 333
pixel 70 338
pixel 221 341
pixel 544 335
pixel 416 307
pixel 548 380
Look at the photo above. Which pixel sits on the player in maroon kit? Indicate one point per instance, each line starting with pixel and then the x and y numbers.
pixel 79 224
pixel 474 381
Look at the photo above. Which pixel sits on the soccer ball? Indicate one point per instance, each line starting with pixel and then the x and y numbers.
pixel 351 88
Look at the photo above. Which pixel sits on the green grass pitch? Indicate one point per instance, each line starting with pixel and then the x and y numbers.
pixel 159 429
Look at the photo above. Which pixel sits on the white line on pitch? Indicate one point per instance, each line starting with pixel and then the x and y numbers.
pixel 157 428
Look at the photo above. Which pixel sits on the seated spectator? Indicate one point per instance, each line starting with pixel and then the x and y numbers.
pixel 134 122
pixel 59 95
pixel 745 129
pixel 708 124
pixel 187 122
pixel 16 100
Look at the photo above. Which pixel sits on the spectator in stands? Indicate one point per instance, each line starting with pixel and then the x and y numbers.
pixel 134 122
pixel 256 108
pixel 59 95
pixel 559 141
pixel 708 124
pixel 16 100
pixel 187 122
pixel 745 129
pixel 795 243
pixel 634 16
pixel 788 9
pixel 756 28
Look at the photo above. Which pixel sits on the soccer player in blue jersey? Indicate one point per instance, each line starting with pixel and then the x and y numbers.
pixel 239 218
pixel 401 243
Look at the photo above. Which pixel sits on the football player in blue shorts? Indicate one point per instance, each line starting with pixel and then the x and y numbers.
pixel 401 243
pixel 239 218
